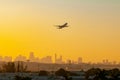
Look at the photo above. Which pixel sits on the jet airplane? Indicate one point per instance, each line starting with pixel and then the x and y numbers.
pixel 62 26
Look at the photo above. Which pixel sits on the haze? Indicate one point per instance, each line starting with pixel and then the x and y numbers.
pixel 28 25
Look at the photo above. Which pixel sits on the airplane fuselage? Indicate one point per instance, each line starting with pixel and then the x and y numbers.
pixel 62 26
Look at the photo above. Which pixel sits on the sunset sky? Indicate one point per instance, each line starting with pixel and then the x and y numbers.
pixel 29 25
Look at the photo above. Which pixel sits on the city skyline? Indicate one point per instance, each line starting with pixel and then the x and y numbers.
pixel 33 58
pixel 58 59
pixel 29 25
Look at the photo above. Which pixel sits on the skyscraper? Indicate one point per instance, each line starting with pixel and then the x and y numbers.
pixel 79 60
pixel 31 57
pixel 55 57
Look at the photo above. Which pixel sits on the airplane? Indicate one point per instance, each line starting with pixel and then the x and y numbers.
pixel 62 26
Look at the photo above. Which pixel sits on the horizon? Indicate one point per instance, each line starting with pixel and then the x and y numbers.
pixel 28 25
pixel 59 59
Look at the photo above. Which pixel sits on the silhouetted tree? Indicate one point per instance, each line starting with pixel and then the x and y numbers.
pixel 9 67
pixel 61 72
pixel 91 72
pixel 64 73
pixel 1 70
pixel 114 73
pixel 71 73
pixel 43 73
pixel 20 67
pixel 22 78
pixel 102 75
pixel 97 74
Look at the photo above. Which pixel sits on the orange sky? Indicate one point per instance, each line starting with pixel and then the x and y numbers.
pixel 94 32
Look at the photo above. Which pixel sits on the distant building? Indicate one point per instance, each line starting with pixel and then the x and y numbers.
pixel 1 58
pixel 32 57
pixel 69 62
pixel 106 62
pixel 20 58
pixel 7 59
pixel 36 59
pixel 79 60
pixel 103 61
pixel 55 57
pixel 114 62
pixel 47 59
pixel 58 60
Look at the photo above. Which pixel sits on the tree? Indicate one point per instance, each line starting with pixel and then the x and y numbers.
pixel 114 73
pixel 20 67
pixel 22 78
pixel 102 75
pixel 9 67
pixel 97 73
pixel 92 72
pixel 43 73
pixel 64 73
pixel 61 72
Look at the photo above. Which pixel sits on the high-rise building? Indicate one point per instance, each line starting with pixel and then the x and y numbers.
pixel 58 60
pixel 55 58
pixel 61 57
pixel 79 60
pixel 20 58
pixel 47 59
pixel 69 62
pixel 106 61
pixel 1 58
pixel 31 57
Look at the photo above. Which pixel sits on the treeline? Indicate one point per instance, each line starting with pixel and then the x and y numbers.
pixel 12 67
pixel 60 72
pixel 91 74
pixel 102 74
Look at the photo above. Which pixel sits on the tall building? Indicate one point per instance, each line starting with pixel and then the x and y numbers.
pixel 1 58
pixel 20 58
pixel 106 61
pixel 55 57
pixel 61 58
pixel 58 60
pixel 79 60
pixel 31 57
pixel 69 62
pixel 47 59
